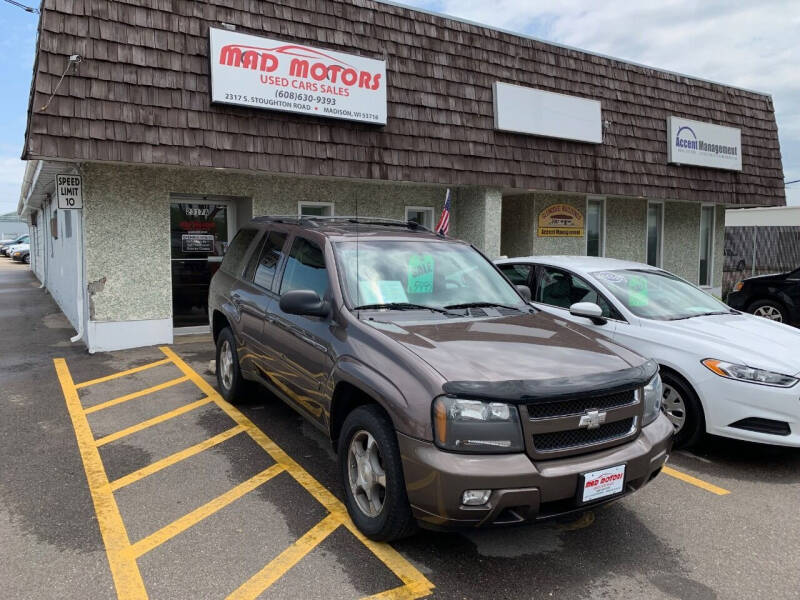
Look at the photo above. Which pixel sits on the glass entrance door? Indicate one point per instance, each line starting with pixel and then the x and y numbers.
pixel 199 237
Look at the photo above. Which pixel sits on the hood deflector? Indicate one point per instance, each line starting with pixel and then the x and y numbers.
pixel 522 391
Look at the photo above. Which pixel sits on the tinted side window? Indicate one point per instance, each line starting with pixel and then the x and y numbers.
pixel 271 255
pixel 518 274
pixel 305 268
pixel 562 289
pixel 237 249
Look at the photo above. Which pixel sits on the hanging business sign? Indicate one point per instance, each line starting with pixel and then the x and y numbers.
pixel 69 191
pixel 704 144
pixel 560 220
pixel 537 112
pixel 259 72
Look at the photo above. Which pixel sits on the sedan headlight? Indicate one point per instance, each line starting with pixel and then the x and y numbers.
pixel 461 425
pixel 748 374
pixel 653 393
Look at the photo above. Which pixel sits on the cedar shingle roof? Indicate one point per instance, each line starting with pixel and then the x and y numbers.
pixel 141 95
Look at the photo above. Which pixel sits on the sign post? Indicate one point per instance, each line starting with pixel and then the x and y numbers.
pixel 69 191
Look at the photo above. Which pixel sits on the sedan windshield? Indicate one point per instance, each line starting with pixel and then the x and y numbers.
pixel 659 295
pixel 403 275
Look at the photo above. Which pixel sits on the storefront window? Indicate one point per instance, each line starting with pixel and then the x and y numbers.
pixel 595 227
pixel 420 214
pixel 706 244
pixel 655 229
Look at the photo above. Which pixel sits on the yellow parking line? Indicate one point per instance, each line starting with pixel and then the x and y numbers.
pixel 169 531
pixel 413 579
pixel 158 363
pixel 174 458
pixel 150 422
pixel 124 570
pixel 404 592
pixel 279 565
pixel 709 487
pixel 139 394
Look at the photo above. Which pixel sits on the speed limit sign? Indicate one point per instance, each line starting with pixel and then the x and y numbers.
pixel 69 190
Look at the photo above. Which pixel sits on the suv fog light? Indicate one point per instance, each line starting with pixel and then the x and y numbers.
pixel 475 497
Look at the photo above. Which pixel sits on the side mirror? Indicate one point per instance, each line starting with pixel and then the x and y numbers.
pixel 304 302
pixel 588 310
pixel 525 292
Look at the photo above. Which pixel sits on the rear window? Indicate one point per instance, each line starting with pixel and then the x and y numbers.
pixel 233 263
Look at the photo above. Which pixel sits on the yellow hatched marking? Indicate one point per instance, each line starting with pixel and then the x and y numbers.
pixel 709 487
pixel 158 363
pixel 124 570
pixel 139 394
pixel 415 583
pixel 286 560
pixel 150 422
pixel 169 531
pixel 175 458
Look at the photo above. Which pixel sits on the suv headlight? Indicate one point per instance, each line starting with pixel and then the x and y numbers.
pixel 748 374
pixel 653 393
pixel 461 425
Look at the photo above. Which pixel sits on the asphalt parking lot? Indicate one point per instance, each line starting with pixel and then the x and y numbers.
pixel 125 475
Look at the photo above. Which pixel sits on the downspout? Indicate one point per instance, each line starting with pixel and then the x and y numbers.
pixel 80 275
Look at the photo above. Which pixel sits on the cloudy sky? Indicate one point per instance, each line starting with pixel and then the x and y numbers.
pixel 748 44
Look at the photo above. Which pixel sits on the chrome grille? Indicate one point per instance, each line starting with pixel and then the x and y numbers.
pixel 575 438
pixel 576 406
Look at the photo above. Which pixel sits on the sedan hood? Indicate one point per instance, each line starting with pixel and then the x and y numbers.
pixel 524 347
pixel 744 339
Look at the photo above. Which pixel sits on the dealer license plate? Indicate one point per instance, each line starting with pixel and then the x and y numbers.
pixel 603 483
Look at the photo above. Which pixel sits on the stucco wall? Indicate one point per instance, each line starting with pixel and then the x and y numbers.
pixel 127 223
pixel 682 239
pixel 477 216
pixel 626 228
pixel 517 226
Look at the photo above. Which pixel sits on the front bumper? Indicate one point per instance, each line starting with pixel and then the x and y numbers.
pixel 522 490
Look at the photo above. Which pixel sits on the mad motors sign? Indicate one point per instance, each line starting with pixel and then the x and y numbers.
pixel 264 73
pixel 704 144
pixel 560 220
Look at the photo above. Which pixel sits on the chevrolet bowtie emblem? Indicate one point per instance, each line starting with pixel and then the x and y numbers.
pixel 592 419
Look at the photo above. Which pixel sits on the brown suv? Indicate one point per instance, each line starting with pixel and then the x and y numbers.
pixel 451 401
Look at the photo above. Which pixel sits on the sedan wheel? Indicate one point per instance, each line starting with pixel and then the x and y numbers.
pixel 366 474
pixel 674 407
pixel 769 312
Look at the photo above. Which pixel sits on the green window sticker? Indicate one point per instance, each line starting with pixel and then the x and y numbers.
pixel 637 291
pixel 381 292
pixel 420 274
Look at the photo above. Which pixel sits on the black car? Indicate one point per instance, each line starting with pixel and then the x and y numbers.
pixel 775 297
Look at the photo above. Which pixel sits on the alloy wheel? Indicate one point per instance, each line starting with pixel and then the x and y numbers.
pixel 769 312
pixel 226 364
pixel 366 474
pixel 674 407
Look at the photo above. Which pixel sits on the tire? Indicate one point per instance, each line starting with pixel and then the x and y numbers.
pixel 682 407
pixel 769 309
pixel 27 259
pixel 392 519
pixel 230 382
pixel 740 265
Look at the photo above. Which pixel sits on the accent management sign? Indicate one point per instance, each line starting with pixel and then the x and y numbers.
pixel 704 144
pixel 258 72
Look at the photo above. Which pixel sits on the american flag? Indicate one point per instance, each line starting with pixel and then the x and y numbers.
pixel 444 221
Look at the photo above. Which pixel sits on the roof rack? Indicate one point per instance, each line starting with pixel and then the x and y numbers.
pixel 317 221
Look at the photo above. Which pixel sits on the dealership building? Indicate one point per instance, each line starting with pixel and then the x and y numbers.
pixel 155 130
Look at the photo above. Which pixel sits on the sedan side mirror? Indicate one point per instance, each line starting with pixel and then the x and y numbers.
pixel 525 292
pixel 588 310
pixel 304 302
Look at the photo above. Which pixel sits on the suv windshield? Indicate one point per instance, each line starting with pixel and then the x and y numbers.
pixel 419 272
pixel 659 295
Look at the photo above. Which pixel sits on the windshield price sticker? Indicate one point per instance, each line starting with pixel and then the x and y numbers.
pixel 420 274
pixel 637 291
pixel 606 482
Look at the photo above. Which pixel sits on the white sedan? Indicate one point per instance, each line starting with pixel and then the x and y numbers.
pixel 725 372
